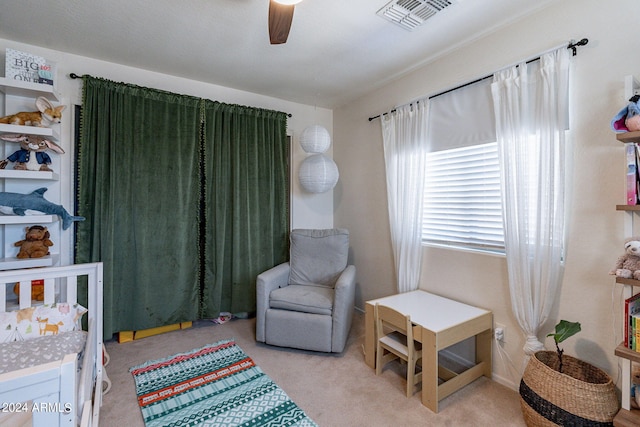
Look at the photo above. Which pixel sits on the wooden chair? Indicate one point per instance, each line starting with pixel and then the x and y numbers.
pixel 394 340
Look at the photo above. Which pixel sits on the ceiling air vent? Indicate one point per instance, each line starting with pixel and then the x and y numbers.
pixel 410 14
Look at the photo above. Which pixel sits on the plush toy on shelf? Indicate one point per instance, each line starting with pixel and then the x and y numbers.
pixel 34 202
pixel 628 119
pixel 36 242
pixel 628 265
pixel 46 115
pixel 31 155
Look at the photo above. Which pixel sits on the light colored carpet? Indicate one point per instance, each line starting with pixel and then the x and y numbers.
pixel 334 390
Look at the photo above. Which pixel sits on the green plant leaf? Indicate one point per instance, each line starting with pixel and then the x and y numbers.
pixel 564 330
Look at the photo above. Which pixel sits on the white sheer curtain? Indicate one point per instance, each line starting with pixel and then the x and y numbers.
pixel 404 134
pixel 531 109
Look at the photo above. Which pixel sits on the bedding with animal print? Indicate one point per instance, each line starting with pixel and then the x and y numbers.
pixel 46 319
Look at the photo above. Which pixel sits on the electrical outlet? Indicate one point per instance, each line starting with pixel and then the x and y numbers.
pixel 500 332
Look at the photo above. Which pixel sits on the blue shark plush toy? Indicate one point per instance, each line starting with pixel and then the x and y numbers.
pixel 18 204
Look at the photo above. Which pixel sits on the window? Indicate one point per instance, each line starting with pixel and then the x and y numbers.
pixel 462 197
pixel 462 204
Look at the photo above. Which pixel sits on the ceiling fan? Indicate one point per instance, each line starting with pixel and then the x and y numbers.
pixel 280 17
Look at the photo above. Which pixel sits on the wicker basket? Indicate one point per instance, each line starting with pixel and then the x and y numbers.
pixel 582 395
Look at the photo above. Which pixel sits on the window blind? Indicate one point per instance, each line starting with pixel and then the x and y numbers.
pixel 462 205
pixel 462 117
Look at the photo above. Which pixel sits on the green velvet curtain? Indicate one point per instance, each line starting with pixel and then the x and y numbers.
pixel 246 208
pixel 145 158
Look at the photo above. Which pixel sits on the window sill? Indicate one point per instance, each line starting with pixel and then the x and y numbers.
pixel 491 252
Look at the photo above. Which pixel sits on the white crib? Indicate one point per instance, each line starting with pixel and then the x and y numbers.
pixel 64 392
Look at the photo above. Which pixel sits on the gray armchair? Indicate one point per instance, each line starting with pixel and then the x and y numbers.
pixel 308 302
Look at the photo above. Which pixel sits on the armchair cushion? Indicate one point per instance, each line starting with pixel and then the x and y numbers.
pixel 305 299
pixel 318 257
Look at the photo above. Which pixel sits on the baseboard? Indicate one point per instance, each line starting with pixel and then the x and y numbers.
pixel 456 358
pixel 464 362
pixel 505 382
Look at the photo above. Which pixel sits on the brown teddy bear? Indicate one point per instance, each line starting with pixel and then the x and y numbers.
pixel 37 290
pixel 628 265
pixel 36 243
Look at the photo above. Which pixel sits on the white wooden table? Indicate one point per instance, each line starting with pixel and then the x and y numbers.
pixel 439 323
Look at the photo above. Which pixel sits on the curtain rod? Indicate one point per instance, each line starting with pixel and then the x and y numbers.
pixel 74 76
pixel 573 46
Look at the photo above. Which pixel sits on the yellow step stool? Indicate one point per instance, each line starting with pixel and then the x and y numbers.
pixel 127 336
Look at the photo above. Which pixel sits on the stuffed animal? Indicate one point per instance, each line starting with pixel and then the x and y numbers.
pixel 37 290
pixel 628 265
pixel 46 115
pixel 20 204
pixel 31 155
pixel 36 243
pixel 628 119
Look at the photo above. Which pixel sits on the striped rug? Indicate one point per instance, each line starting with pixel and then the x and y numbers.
pixel 217 385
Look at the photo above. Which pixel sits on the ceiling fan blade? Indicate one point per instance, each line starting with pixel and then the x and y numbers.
pixel 280 17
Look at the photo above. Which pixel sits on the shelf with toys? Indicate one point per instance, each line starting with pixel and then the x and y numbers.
pixel 28 89
pixel 629 137
pixel 17 88
pixel 26 219
pixel 17 263
pixel 43 175
pixel 31 130
pixel 25 175
pixel 629 414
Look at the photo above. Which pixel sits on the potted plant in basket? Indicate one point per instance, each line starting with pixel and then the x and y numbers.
pixel 563 331
pixel 557 389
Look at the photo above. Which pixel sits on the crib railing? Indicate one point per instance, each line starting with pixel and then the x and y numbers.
pixel 61 285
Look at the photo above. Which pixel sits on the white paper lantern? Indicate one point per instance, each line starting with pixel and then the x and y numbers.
pixel 315 139
pixel 318 173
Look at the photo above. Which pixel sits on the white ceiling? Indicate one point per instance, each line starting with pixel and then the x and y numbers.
pixel 337 50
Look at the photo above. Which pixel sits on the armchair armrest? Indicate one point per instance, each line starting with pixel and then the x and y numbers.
pixel 343 305
pixel 345 286
pixel 274 278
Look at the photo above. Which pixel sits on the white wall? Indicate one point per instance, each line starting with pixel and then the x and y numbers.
pixel 307 210
pixel 588 293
